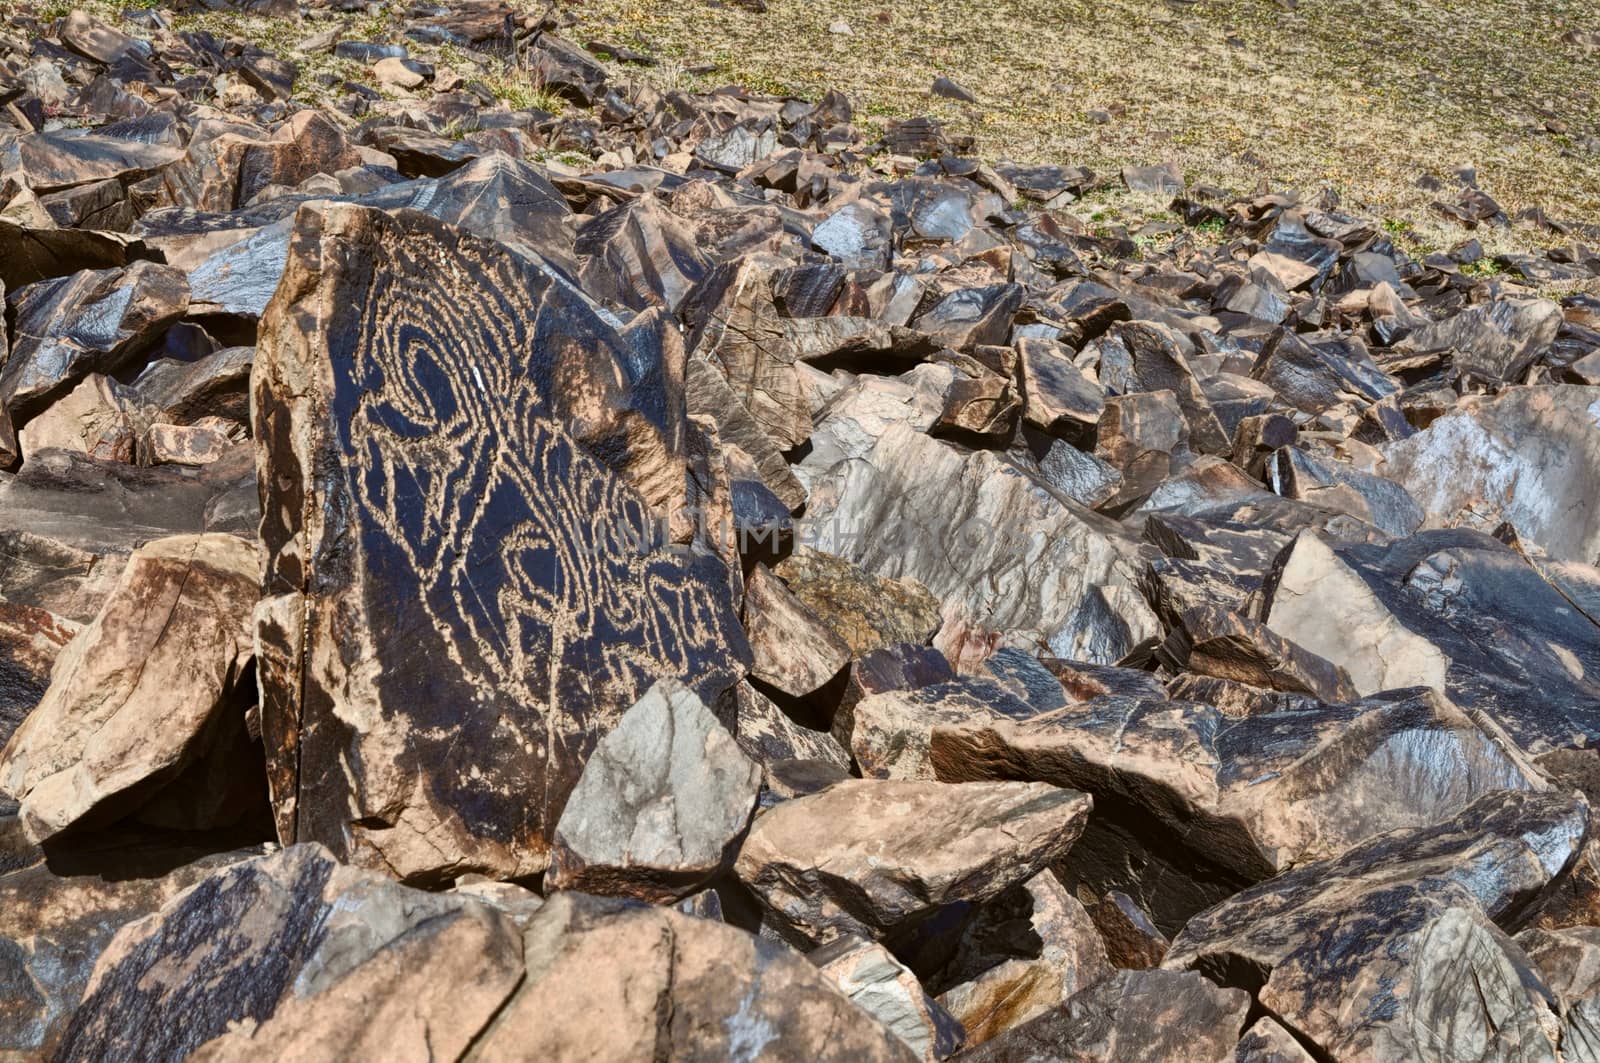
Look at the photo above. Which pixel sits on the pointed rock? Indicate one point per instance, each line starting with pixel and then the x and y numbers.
pixel 659 804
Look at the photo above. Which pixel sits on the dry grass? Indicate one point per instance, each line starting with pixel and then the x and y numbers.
pixel 1344 93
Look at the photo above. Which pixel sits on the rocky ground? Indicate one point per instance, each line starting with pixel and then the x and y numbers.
pixel 619 572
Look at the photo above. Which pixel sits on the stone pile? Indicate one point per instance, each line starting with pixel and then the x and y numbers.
pixel 687 578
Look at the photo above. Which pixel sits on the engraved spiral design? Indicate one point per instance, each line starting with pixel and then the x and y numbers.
pixel 524 546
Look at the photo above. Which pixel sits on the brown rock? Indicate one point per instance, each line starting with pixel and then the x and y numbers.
pixel 143 691
pixel 868 612
pixel 884 988
pixel 794 651
pixel 1132 940
pixel 30 641
pixel 872 857
pixel 96 418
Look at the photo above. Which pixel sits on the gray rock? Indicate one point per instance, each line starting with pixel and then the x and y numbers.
pixel 659 804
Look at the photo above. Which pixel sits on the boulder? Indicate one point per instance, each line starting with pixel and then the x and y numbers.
pixel 148 688
pixel 469 667
pixel 1192 805
pixel 867 612
pixel 1130 1015
pixel 793 651
pixel 1523 455
pixel 659 805
pixel 1026 952
pixel 974 528
pixel 885 988
pixel 55 919
pixel 872 857
pixel 93 321
pixel 1375 953
pixel 1455 610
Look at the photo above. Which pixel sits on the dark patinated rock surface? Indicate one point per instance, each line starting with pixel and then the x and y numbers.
pixel 417 482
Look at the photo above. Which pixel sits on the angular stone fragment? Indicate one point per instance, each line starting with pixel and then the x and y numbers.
pixel 707 394
pixel 1266 1041
pixel 30 641
pixel 1027 952
pixel 868 612
pixel 659 804
pixel 639 255
pixel 188 444
pixel 1395 949
pixel 890 729
pixel 792 650
pixel 68 522
pixel 975 529
pixel 1454 610
pixel 769 736
pixel 1192 805
pixel 1525 455
pixel 408 374
pixel 217 385
pixel 53 926
pixel 884 988
pixel 873 857
pixel 1132 940
pixel 1568 961
pixel 1131 1015
pixel 627 981
pixel 1495 341
pixel 295 950
pixel 143 691
pixel 739 330
pixel 50 161
pixel 1057 398
pixel 90 322
pixel 95 418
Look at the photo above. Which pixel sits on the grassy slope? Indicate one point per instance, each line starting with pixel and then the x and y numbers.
pixel 1359 96
pixel 1343 93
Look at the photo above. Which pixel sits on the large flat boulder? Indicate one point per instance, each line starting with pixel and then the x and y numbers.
pixel 462 598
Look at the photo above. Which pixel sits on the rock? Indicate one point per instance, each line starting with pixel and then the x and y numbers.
pixel 144 691
pixel 943 86
pixel 659 804
pixel 740 332
pixel 283 949
pixel 546 668
pixel 976 530
pixel 1027 952
pixel 51 161
pixel 1325 946
pixel 1162 179
pixel 1132 940
pixel 1131 1015
pixel 54 924
pixel 889 730
pixel 30 641
pixel 398 73
pixel 1192 806
pixel 867 612
pixel 1454 610
pixel 1138 436
pixel 1568 962
pixel 191 444
pixel 68 522
pixel 639 255
pixel 90 322
pixel 1267 1041
pixel 794 652
pixel 707 394
pixel 872 857
pixel 769 736
pixel 1495 341
pixel 637 978
pixel 1521 456
pixel 884 988
pixel 95 418
pixel 180 393
pixel 1057 398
